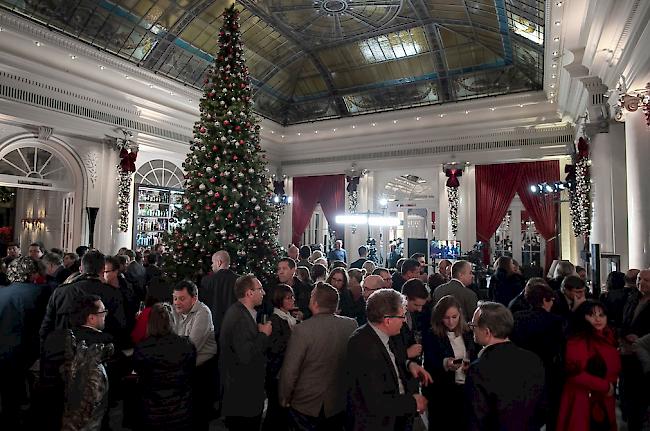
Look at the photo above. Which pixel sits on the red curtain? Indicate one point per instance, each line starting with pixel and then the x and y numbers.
pixel 496 186
pixel 542 209
pixel 329 190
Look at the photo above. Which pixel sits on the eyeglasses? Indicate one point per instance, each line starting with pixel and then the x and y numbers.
pixel 367 289
pixel 101 312
pixel 403 317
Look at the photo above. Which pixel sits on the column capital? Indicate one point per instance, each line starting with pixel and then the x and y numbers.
pixel 598 112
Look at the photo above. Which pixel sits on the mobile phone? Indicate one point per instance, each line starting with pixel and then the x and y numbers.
pixel 457 361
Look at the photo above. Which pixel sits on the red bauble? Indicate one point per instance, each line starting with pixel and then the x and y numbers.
pixel 214 148
pixel 203 129
pixel 237 128
pixel 242 85
pixel 226 122
pixel 229 216
pixel 214 204
pixel 188 207
pixel 213 180
pixel 225 198
pixel 241 142
pixel 207 207
pixel 234 157
pixel 216 195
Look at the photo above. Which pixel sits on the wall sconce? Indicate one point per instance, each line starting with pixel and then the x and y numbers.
pixel 34 223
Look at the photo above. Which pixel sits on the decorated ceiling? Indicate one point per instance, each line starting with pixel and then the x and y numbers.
pixel 318 59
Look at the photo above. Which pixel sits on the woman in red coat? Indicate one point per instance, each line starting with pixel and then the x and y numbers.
pixel 592 366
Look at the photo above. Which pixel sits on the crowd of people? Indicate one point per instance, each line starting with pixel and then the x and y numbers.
pixel 326 345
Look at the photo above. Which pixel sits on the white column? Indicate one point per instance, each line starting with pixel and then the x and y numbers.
pixel 515 228
pixel 285 232
pixel 467 210
pixel 443 228
pixel 637 142
pixel 108 238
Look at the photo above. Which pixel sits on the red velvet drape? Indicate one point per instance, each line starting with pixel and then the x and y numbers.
pixel 496 186
pixel 541 208
pixel 329 190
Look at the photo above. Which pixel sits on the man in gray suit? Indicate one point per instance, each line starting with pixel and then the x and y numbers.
pixel 461 277
pixel 312 379
pixel 242 361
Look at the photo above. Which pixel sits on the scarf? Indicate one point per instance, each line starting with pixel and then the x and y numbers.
pixel 285 316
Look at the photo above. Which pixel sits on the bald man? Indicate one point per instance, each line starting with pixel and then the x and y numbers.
pixel 217 289
pixel 370 284
pixel 293 252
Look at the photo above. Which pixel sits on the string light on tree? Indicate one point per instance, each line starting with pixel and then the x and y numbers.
pixel 128 155
pixel 579 179
pixel 228 201
pixel 453 173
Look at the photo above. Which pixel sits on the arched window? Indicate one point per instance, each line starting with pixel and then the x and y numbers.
pixel 160 173
pixel 38 164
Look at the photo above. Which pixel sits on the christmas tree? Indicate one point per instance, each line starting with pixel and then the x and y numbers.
pixel 227 202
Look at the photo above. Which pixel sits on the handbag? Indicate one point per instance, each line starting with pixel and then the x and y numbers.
pixel 598 416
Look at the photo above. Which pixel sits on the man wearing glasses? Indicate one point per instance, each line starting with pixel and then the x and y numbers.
pixel 504 386
pixel 385 275
pixel 383 390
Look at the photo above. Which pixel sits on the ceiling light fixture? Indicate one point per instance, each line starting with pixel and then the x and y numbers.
pixel 554 65
pixel 354 126
pixel 555 53
pixel 316 131
pixel 466 111
pixel 417 118
pixel 37 43
pixel 552 94
pixel 558 4
pixel 73 57
pixel 552 85
pixel 492 108
pixel 521 105
pixel 374 124
pixel 556 39
pixel 189 100
pixel 333 130
pixel 557 23
pixel 272 132
pixel 442 115
pixel 282 136
pixel 127 77
pixel 299 134
pixel 554 76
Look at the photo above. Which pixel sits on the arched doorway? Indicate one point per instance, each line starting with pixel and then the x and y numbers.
pixel 47 182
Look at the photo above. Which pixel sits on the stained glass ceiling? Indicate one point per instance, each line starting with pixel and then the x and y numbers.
pixel 320 59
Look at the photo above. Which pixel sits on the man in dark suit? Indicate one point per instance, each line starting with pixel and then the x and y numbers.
pixel 416 297
pixel 504 386
pixel 382 395
pixel 571 294
pixel 409 269
pixel 458 287
pixel 242 361
pixel 217 289
pixel 286 273
pixel 312 379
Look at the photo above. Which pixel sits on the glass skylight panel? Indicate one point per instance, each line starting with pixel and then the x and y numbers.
pixel 390 47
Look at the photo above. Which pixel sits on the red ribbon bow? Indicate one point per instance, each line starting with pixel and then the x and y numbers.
pixel 127 160
pixel 452 175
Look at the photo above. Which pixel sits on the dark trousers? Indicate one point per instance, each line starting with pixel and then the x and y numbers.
pixel 302 422
pixel 634 400
pixel 276 415
pixel 205 393
pixel 240 423
pixel 12 394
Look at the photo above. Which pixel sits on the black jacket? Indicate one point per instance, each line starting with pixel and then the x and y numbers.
pixel 242 363
pixel 504 389
pixel 217 291
pixel 435 350
pixel 615 301
pixel 505 287
pixel 358 263
pixel 519 303
pixel 278 342
pixel 636 322
pixel 62 303
pixel 542 333
pixel 165 367
pixel 374 394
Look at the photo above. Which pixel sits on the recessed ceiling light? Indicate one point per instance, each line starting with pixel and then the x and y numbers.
pixel 557 23
pixel 556 39
pixel 521 105
pixel 554 53
pixel 374 124
pixel 554 65
pixel 171 93
pixel 101 68
pixel 552 94
pixel 554 76
pixel 73 57
pixel 552 85
pixel 272 132
pixel 151 85
pixel 442 115
pixel 315 131
pixel 552 101
pixel 333 130
pixel 394 121
pixel 558 4
pixel 127 77
pixel 417 118
pixel 282 136
pixel 466 111
pixel 37 43
pixel 492 108
pixel 354 126
pixel 299 134
pixel 189 100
